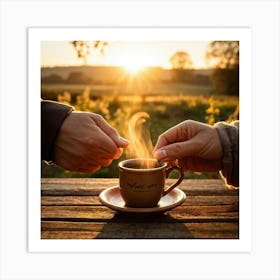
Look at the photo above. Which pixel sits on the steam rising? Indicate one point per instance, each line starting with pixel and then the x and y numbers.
pixel 139 136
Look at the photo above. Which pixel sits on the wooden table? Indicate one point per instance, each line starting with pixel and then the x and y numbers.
pixel 70 209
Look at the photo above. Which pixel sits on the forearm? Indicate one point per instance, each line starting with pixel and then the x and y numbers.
pixel 229 136
pixel 52 116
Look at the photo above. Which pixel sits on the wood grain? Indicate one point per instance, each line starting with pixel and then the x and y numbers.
pixel 93 200
pixel 74 186
pixel 87 230
pixel 70 209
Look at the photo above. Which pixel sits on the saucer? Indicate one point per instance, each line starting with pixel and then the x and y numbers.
pixel 112 198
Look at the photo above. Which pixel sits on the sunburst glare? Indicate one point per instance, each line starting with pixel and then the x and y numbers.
pixel 134 64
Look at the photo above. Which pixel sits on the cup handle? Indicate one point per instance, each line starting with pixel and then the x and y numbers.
pixel 170 169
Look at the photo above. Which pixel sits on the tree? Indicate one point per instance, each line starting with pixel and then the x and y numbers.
pixel 83 48
pixel 181 60
pixel 181 67
pixel 223 54
pixel 224 57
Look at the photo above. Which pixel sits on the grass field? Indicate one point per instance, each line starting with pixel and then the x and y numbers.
pixel 129 88
pixel 167 105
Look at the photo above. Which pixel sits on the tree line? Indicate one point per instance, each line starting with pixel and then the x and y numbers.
pixel 221 56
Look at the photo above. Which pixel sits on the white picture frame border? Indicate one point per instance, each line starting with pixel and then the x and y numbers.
pixel 16 262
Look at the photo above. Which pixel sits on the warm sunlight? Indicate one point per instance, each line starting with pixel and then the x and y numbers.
pixel 133 68
pixel 133 64
pixel 132 55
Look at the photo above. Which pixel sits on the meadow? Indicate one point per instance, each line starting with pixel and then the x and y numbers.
pixel 167 104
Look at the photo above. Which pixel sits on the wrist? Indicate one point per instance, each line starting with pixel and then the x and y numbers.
pixel 229 138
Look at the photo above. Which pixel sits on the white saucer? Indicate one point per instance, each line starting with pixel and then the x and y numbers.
pixel 112 198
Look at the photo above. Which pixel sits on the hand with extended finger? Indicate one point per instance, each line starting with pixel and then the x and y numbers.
pixel 195 145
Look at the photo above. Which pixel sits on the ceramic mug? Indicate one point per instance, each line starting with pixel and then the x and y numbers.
pixel 142 181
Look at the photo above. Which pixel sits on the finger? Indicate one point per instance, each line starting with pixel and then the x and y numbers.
pixel 166 138
pixel 110 131
pixel 105 162
pixel 100 145
pixel 187 163
pixel 177 150
pixel 179 133
pixel 89 169
pixel 199 164
pixel 121 142
pixel 118 154
pixel 94 168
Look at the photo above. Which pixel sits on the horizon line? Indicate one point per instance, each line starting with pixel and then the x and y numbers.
pixel 120 66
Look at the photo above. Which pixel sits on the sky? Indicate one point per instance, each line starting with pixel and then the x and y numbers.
pixel 130 54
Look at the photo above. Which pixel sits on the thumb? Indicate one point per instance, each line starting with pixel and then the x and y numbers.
pixel 110 131
pixel 120 141
pixel 176 151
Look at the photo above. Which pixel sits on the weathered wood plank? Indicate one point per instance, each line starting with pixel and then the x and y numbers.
pixel 69 235
pixel 94 186
pixel 211 200
pixel 200 213
pixel 72 226
pixel 80 181
pixel 70 200
pixel 72 230
pixel 76 212
pixel 214 230
pixel 71 210
pixel 93 200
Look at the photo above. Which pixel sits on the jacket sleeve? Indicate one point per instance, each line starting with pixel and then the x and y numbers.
pixel 52 116
pixel 229 135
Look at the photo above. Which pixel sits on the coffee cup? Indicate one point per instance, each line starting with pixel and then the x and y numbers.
pixel 142 181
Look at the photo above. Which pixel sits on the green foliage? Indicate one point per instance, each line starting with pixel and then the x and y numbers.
pixel 165 110
pixel 224 57
pixel 223 54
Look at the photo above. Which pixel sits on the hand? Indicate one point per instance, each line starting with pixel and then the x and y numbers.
pixel 86 142
pixel 195 145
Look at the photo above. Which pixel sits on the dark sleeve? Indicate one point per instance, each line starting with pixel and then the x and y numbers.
pixel 52 116
pixel 229 136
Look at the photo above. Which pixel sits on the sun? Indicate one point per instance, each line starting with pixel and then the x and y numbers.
pixel 133 68
pixel 133 64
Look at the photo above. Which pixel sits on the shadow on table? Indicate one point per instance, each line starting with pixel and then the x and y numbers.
pixel 144 227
